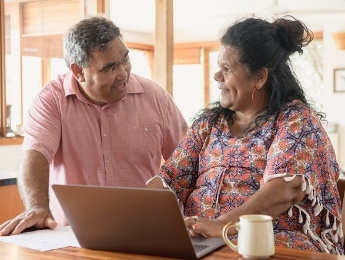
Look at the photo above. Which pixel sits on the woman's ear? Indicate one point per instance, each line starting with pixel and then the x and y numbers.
pixel 77 72
pixel 261 77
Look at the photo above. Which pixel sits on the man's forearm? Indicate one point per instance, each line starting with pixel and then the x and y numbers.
pixel 33 180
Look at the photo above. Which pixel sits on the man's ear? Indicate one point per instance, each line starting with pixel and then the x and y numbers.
pixel 261 77
pixel 77 72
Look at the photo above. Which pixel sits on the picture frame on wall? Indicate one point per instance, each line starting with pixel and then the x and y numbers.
pixel 339 80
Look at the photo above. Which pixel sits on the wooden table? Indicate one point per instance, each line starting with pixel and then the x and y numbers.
pixel 15 252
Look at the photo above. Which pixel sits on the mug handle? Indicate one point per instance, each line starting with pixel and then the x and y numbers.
pixel 225 235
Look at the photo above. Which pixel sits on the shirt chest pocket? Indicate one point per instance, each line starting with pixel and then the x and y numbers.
pixel 144 143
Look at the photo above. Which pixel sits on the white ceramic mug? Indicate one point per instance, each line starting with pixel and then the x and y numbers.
pixel 255 236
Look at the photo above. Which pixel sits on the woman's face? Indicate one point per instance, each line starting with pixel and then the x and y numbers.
pixel 235 84
pixel 105 79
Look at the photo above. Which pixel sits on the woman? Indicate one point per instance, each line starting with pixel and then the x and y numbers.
pixel 261 149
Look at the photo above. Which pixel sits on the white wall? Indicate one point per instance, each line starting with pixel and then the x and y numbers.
pixel 334 102
pixel 9 157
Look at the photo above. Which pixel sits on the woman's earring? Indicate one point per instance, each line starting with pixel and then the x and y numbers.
pixel 262 101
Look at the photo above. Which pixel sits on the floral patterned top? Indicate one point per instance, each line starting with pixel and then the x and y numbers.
pixel 213 172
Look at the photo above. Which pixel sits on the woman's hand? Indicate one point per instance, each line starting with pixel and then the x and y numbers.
pixel 198 226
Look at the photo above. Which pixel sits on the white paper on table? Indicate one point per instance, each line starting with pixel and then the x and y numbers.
pixel 44 240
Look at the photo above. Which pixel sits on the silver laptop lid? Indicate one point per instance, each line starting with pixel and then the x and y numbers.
pixel 132 220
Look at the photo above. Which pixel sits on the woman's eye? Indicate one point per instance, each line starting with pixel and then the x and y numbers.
pixel 228 71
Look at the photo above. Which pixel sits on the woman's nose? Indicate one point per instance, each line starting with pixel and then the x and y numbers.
pixel 217 76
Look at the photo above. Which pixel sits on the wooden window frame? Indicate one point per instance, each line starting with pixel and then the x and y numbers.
pixel 2 69
pixel 84 8
pixel 4 140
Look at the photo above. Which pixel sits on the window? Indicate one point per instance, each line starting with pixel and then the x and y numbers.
pixel 32 53
pixel 309 70
pixel 193 83
pixel 214 91
pixel 140 60
pixel 188 89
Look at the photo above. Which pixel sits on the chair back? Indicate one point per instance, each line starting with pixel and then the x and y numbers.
pixel 341 189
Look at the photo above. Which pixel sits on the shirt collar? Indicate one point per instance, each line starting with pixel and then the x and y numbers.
pixel 134 86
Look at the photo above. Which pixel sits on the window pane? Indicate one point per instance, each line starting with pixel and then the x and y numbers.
pixel 140 63
pixel 214 91
pixel 188 89
pixel 31 73
pixel 57 67
pixel 33 32
pixel 309 70
pixel 12 74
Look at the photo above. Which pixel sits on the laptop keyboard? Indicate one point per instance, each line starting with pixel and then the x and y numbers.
pixel 198 247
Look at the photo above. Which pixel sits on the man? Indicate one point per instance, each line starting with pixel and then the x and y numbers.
pixel 96 125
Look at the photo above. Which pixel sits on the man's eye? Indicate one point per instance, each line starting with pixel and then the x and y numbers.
pixel 125 60
pixel 110 69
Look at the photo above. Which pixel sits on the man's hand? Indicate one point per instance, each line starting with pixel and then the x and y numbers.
pixel 38 218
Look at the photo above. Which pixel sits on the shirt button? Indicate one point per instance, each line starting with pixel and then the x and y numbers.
pixel 104 134
pixel 146 129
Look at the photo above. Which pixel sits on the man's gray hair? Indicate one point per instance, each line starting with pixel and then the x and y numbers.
pixel 90 34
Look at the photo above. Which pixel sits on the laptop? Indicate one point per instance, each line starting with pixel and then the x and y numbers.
pixel 132 220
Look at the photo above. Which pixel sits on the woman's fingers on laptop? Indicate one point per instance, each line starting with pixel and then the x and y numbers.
pixel 37 219
pixel 191 222
pixel 208 228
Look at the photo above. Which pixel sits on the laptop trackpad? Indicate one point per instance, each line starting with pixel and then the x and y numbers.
pixel 204 245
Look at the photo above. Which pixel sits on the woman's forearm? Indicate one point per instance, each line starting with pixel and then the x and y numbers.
pixel 273 198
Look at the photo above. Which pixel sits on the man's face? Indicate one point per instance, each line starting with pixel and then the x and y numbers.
pixel 105 79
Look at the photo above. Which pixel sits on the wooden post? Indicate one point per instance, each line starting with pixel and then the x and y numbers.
pixel 164 45
pixel 93 7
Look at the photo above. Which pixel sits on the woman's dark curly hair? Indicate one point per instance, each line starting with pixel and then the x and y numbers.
pixel 261 44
